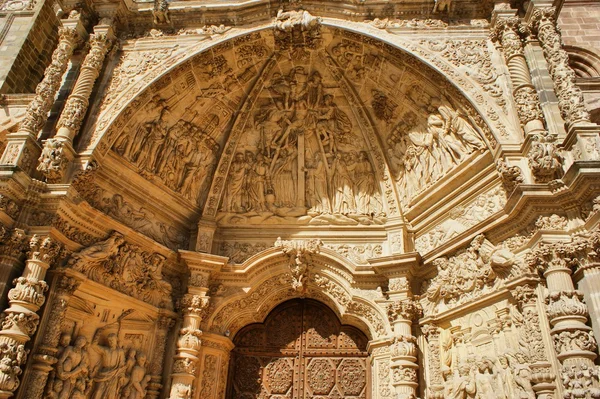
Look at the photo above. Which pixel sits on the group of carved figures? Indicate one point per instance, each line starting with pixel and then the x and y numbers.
pixel 300 127
pixel 181 155
pixel 423 156
pixel 504 378
pixel 115 374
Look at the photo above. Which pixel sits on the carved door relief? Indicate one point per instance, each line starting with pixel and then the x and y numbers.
pixel 301 351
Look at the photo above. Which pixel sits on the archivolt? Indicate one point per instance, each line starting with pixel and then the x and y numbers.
pixel 114 118
pixel 329 282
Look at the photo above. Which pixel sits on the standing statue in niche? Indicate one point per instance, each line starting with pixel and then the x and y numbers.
pixel 302 160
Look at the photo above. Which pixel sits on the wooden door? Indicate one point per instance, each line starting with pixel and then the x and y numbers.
pixel 301 351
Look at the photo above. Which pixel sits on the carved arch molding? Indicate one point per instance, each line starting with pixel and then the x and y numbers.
pixel 300 351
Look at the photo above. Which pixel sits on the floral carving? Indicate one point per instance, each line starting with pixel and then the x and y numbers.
pixel 53 160
pixel 38 109
pixel 570 98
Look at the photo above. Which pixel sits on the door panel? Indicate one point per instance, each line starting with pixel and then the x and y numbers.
pixel 301 351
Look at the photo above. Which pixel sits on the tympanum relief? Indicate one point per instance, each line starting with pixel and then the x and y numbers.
pixel 302 156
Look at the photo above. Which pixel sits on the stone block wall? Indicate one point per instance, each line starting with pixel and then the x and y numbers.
pixel 580 24
pixel 26 49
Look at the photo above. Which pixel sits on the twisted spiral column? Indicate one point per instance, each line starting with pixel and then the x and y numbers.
pixel 58 150
pixel 37 111
pixel 570 98
pixel 506 32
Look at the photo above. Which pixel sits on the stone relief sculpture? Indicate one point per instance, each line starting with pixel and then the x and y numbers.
pixel 113 375
pixel 303 159
pixel 424 154
pixel 180 155
pixel 468 274
pixel 124 267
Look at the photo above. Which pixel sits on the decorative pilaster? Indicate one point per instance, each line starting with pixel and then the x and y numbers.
pixel 404 367
pixel 532 342
pixel 193 306
pixel 163 325
pixel 21 319
pixel 46 354
pixel 574 342
pixel 436 380
pixel 570 98
pixel 17 150
pixel 58 151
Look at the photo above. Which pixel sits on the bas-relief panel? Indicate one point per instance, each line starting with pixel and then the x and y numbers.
pixel 461 218
pixel 483 354
pixel 105 352
pixel 175 138
pixel 303 129
pixel 308 149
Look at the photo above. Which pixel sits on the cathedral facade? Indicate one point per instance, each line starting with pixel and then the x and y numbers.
pixel 299 199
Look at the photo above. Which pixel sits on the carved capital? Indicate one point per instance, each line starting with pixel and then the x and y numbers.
pixel 506 31
pixel 565 303
pixel 194 304
pixel 44 249
pixel 28 289
pixel 406 309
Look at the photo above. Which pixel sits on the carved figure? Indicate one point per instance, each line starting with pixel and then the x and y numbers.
pixel 138 380
pixel 111 368
pixel 90 258
pixel 464 383
pixel 286 20
pixel 485 380
pixel 72 366
pixel 424 155
pixel 522 378
pixel 160 12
